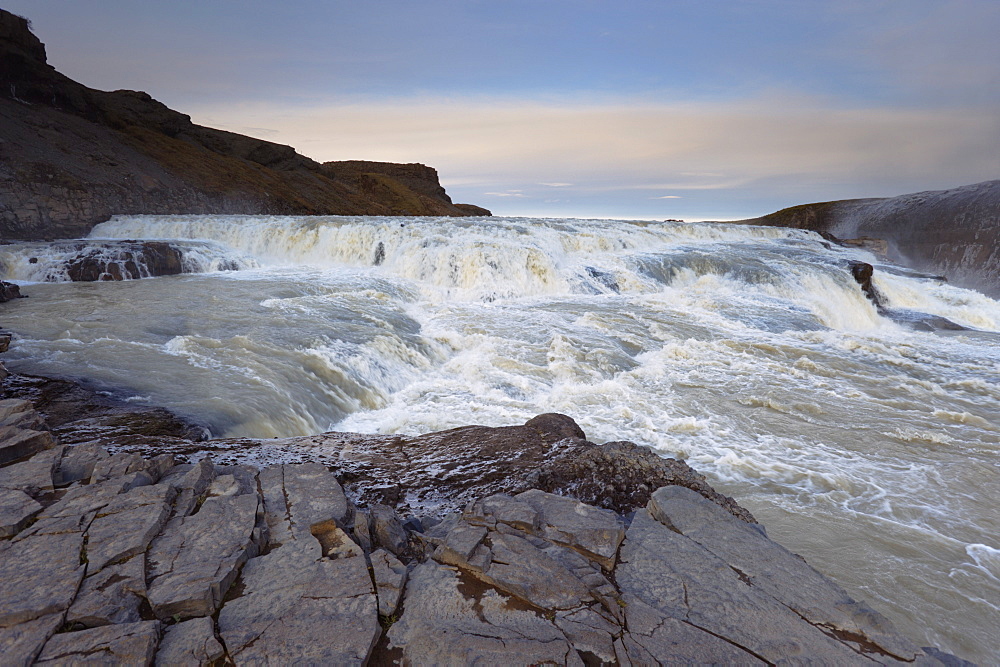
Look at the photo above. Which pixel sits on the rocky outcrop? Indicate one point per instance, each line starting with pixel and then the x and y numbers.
pixel 154 561
pixel 954 232
pixel 9 291
pixel 73 156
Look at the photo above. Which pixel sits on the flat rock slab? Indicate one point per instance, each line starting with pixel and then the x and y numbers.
pixel 443 625
pixel 17 508
pixel 113 595
pixel 34 475
pixel 20 644
pixel 197 557
pixel 125 526
pixel 297 496
pixel 189 643
pixel 130 643
pixel 17 443
pixel 290 604
pixel 776 571
pixel 39 576
pixel 595 532
pixel 683 580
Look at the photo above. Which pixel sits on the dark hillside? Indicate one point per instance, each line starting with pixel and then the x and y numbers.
pixel 71 156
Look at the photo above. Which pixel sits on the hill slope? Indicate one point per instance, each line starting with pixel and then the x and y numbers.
pixel 71 156
pixel 954 232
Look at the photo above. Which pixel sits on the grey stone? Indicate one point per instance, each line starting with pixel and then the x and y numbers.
pixel 589 631
pixel 126 525
pixel 39 576
pixel 655 637
pixel 362 530
pixel 774 570
pixel 292 598
pixel 390 578
pixel 191 482
pixel 595 532
pixel 17 443
pixel 34 475
pixel 196 558
pixel 17 509
pixel 20 644
pixel 190 643
pixel 244 476
pixel 131 643
pixel 520 568
pixel 683 580
pixel 117 465
pixel 441 625
pixel 78 463
pixel 505 509
pixel 299 496
pixel 14 406
pixel 459 542
pixel 111 596
pixel 387 529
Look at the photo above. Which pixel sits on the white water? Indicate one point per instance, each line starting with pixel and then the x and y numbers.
pixel 867 446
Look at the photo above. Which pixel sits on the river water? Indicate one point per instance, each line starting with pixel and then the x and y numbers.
pixel 865 442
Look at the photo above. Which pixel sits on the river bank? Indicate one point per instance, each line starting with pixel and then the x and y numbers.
pixel 182 559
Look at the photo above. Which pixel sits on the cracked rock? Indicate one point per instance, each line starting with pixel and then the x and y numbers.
pixel 190 643
pixel 126 525
pixel 291 598
pixel 111 596
pixel 17 509
pixel 130 643
pixel 196 558
pixel 442 624
pixel 390 577
pixel 39 576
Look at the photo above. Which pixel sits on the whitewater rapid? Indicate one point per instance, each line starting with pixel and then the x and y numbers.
pixel 865 443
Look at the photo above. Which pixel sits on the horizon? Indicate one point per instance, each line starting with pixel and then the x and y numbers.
pixel 694 111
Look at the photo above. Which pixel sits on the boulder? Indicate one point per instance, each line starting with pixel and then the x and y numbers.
pixel 9 291
pixel 18 443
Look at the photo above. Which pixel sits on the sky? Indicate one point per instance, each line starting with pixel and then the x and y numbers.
pixel 666 109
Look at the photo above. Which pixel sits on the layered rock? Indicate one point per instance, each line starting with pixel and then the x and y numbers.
pixel 73 156
pixel 954 232
pixel 146 560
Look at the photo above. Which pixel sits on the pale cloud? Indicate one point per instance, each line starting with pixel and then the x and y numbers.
pixel 796 149
pixel 668 197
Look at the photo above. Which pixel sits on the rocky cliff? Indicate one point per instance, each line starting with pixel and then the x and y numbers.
pixel 71 156
pixel 955 233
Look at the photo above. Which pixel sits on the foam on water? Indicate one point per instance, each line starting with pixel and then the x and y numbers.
pixel 868 446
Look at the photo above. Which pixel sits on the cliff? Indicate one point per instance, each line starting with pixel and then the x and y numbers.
pixel 955 233
pixel 72 156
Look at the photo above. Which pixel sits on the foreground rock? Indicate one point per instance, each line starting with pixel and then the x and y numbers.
pixel 136 560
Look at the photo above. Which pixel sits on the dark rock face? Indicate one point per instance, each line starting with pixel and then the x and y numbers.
pixel 73 156
pixel 862 273
pixel 951 232
pixel 125 260
pixel 9 291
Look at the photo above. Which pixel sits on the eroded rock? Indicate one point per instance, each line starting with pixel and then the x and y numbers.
pixel 129 643
pixel 189 643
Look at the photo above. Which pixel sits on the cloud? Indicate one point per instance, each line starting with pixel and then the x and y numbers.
pixel 668 197
pixel 787 147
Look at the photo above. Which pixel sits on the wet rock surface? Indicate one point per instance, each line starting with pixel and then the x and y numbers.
pixel 150 560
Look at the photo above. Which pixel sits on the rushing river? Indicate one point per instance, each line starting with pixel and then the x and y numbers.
pixel 867 444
